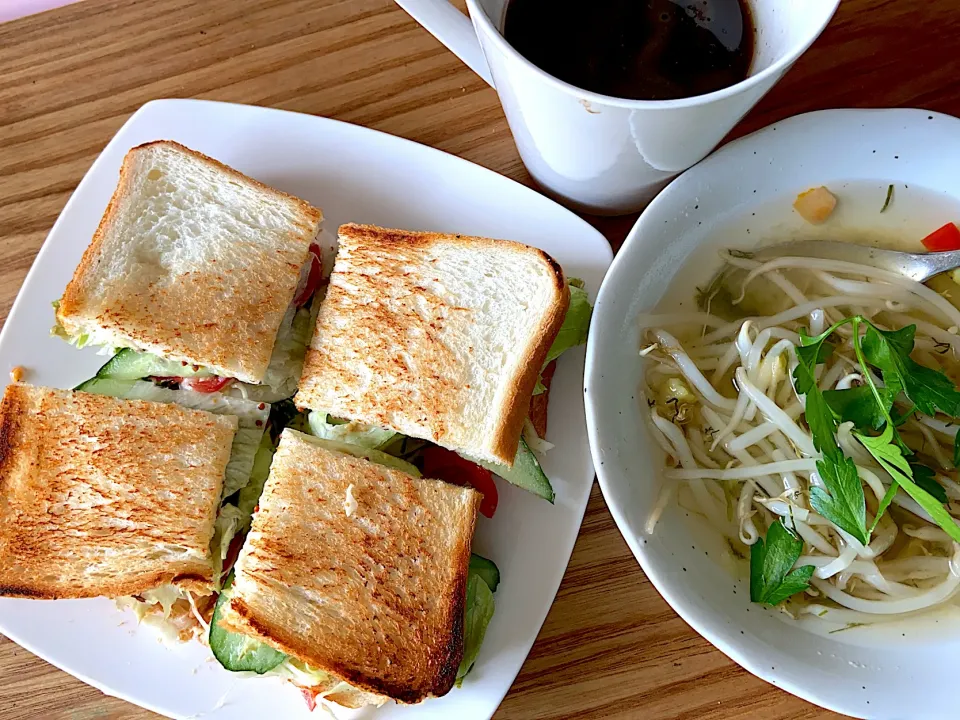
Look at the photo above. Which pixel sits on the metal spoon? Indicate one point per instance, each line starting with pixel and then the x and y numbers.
pixel 718 296
pixel 916 266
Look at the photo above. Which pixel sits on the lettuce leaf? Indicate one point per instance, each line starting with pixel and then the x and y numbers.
pixel 381 458
pixel 234 519
pixel 480 607
pixel 573 332
pixel 286 361
pixel 354 433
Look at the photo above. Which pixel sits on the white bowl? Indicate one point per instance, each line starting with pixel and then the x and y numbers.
pixel 742 195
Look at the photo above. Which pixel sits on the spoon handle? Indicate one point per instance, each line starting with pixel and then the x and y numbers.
pixel 916 266
pixel 938 262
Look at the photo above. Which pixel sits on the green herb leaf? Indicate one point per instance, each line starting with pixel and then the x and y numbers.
pixel 878 342
pixel 956 450
pixel 843 503
pixel 815 350
pixel 859 406
pixel 891 459
pixel 930 390
pixel 926 478
pixel 886 203
pixel 882 448
pixel 884 504
pixel 772 576
pixel 819 417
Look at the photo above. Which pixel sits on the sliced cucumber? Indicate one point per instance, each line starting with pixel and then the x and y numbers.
pixel 107 386
pixel 525 473
pixel 132 365
pixel 486 569
pixel 236 652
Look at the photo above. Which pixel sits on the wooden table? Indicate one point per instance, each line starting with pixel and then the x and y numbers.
pixel 69 78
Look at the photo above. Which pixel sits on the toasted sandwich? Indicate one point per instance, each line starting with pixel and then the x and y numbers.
pixel 96 436
pixel 198 275
pixel 442 338
pixel 107 497
pixel 352 581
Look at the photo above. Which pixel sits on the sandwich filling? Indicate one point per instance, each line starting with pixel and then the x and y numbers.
pixel 282 373
pixel 180 612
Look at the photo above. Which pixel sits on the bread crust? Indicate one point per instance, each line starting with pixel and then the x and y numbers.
pixel 392 574
pixel 190 321
pixel 374 305
pixel 102 496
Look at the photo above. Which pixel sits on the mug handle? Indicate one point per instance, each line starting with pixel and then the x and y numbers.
pixel 453 29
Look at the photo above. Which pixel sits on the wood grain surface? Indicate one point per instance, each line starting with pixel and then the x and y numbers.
pixel 69 78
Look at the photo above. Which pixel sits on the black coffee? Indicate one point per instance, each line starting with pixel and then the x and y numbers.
pixel 637 49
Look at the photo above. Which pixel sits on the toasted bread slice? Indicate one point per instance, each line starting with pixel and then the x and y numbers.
pixel 100 496
pixel 192 261
pixel 374 598
pixel 439 337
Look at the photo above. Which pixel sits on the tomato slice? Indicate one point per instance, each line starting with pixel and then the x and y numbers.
pixel 313 278
pixel 310 696
pixel 943 238
pixel 445 465
pixel 205 384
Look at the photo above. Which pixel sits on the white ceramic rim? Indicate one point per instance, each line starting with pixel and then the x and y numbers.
pixel 157 110
pixel 482 20
pixel 592 376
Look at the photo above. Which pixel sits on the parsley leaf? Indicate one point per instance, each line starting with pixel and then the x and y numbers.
pixel 772 579
pixel 927 479
pixel 930 390
pixel 819 417
pixel 891 459
pixel 842 502
pixel 883 449
pixel 845 505
pixel 884 504
pixel 859 406
pixel 956 450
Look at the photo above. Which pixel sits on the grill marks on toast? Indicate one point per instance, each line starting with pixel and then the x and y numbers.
pixel 376 598
pixel 435 336
pixel 192 260
pixel 100 496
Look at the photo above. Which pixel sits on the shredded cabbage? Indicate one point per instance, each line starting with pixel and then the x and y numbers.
pixel 165 596
pixel 302 675
pixel 355 433
pixel 534 441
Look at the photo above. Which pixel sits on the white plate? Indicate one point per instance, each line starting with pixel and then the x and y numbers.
pixel 353 174
pixel 742 196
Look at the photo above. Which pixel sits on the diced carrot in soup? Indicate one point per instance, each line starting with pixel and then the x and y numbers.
pixel 815 205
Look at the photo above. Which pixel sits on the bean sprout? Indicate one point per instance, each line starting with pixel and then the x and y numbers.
pixel 742 456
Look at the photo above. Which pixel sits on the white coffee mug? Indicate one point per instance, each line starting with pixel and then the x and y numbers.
pixel 608 155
